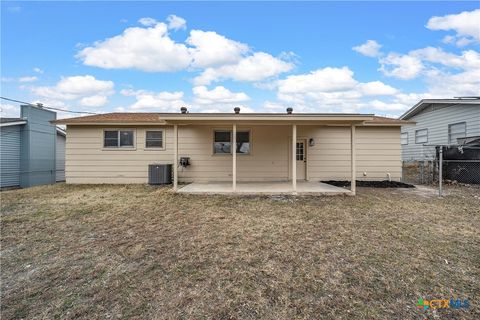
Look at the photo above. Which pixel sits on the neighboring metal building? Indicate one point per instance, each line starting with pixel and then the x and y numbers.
pixel 438 122
pixel 32 149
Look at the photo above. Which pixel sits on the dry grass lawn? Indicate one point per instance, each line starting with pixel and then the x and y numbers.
pixel 143 252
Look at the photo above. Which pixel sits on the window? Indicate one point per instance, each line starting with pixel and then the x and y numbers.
pixel 222 142
pixel 456 131
pixel 243 142
pixel 154 139
pixel 118 138
pixel 404 138
pixel 300 151
pixel 421 136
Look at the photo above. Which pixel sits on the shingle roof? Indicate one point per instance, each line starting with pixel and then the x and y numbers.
pixel 385 120
pixel 127 117
pixel 156 117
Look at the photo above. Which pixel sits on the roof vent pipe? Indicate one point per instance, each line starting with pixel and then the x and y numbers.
pixel 237 110
pixel 289 110
pixel 183 109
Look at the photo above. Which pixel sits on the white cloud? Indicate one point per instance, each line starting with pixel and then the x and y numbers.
pixel 329 90
pixel 211 49
pixel 87 89
pixel 427 60
pixel 385 106
pixel 467 60
pixel 218 95
pixel 465 24
pixel 163 101
pixel 176 22
pixel 148 49
pixel 324 80
pixel 257 67
pixel 148 22
pixel 9 111
pixel 376 88
pixel 401 66
pixel 371 48
pixel 445 84
pixel 94 101
pixel 28 79
pixel 83 85
pixel 38 70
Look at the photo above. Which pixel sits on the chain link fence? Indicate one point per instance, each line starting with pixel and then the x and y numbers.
pixel 459 165
pixel 419 172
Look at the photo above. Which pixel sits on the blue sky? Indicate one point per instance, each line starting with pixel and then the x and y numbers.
pixel 374 57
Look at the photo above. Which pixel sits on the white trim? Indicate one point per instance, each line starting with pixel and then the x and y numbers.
pixel 118 147
pixel 294 158
pixel 234 156
pixel 422 103
pixel 401 138
pixel 175 157
pixel 450 131
pixel 353 160
pixel 416 136
pixel 163 147
pixel 61 131
pixel 13 123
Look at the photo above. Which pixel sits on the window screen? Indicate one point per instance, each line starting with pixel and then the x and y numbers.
pixel 154 139
pixel 243 142
pixel 221 142
pixel 110 139
pixel 456 131
pixel 126 138
pixel 404 138
pixel 115 138
pixel 421 136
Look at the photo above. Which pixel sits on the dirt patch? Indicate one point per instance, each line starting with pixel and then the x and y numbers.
pixel 88 252
pixel 370 184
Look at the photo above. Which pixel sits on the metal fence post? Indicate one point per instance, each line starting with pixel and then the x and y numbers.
pixel 440 173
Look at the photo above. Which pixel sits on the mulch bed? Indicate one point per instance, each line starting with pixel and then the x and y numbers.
pixel 371 184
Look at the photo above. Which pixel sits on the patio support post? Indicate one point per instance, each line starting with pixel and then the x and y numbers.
pixel 175 157
pixel 294 158
pixel 353 160
pixel 233 148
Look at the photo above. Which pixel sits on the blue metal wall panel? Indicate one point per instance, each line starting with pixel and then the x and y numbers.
pixel 38 147
pixel 10 156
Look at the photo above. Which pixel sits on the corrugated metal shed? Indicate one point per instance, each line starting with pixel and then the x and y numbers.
pixel 38 147
pixel 28 145
pixel 10 156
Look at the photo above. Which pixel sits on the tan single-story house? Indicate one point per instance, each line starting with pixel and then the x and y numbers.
pixel 274 152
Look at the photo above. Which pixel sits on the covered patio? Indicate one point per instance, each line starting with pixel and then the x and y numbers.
pixel 295 183
pixel 264 188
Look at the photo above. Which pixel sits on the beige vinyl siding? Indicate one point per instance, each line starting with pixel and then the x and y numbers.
pixel 267 160
pixel 88 162
pixel 378 153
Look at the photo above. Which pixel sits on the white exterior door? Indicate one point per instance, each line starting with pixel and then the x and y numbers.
pixel 301 157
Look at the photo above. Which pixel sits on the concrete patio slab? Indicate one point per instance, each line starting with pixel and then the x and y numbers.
pixel 264 188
